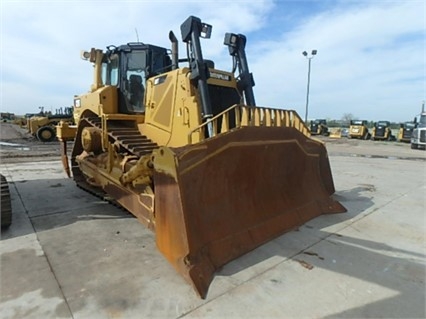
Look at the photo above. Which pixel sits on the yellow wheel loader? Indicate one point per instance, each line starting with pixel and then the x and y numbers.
pixel 187 151
pixel 42 126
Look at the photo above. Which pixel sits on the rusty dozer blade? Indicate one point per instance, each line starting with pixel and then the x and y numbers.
pixel 219 199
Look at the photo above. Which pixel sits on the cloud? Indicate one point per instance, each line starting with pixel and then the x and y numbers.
pixel 41 41
pixel 370 62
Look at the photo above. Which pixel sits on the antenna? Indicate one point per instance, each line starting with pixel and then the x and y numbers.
pixel 137 35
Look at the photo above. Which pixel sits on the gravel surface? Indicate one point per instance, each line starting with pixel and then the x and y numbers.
pixel 17 145
pixel 378 149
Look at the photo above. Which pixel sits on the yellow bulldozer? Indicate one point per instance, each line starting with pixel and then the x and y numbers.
pixel 186 150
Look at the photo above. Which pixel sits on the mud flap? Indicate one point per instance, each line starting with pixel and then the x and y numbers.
pixel 219 199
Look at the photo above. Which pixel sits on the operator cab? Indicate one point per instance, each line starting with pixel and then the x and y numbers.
pixel 128 67
pixel 382 124
pixel 422 120
pixel 408 125
pixel 358 122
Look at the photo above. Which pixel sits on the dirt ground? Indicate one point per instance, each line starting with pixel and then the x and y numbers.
pixel 17 145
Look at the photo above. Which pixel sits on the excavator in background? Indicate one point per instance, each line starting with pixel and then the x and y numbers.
pixel 359 129
pixel 186 150
pixel 319 127
pixel 43 125
pixel 382 131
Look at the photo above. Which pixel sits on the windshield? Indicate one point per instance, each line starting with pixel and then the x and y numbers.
pixel 409 125
pixel 319 122
pixel 135 79
pixel 110 72
pixel 382 123
pixel 136 60
pixel 422 120
pixel 357 122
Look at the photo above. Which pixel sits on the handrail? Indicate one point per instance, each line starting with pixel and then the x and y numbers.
pixel 242 115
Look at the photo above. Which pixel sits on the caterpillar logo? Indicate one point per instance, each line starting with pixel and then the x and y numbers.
pixel 220 76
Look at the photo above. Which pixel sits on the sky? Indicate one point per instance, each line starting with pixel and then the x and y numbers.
pixel 371 60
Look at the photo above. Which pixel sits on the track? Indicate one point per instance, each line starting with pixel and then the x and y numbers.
pixel 6 206
pixel 129 138
pixel 122 133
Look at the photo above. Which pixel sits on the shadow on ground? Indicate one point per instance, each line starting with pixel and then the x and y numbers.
pixel 57 202
pixel 313 245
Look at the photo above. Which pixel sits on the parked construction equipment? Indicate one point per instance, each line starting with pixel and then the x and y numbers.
pixel 336 132
pixel 405 131
pixel 319 127
pixel 382 131
pixel 187 152
pixel 43 126
pixel 7 117
pixel 359 129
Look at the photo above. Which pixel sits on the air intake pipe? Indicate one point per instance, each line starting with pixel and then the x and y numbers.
pixel 236 44
pixel 192 30
pixel 175 50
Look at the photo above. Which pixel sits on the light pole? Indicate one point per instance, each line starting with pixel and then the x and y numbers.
pixel 309 57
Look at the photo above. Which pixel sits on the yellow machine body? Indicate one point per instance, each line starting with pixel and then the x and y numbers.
pixel 358 129
pixel 210 188
pixel 43 126
pixel 405 131
pixel 336 133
